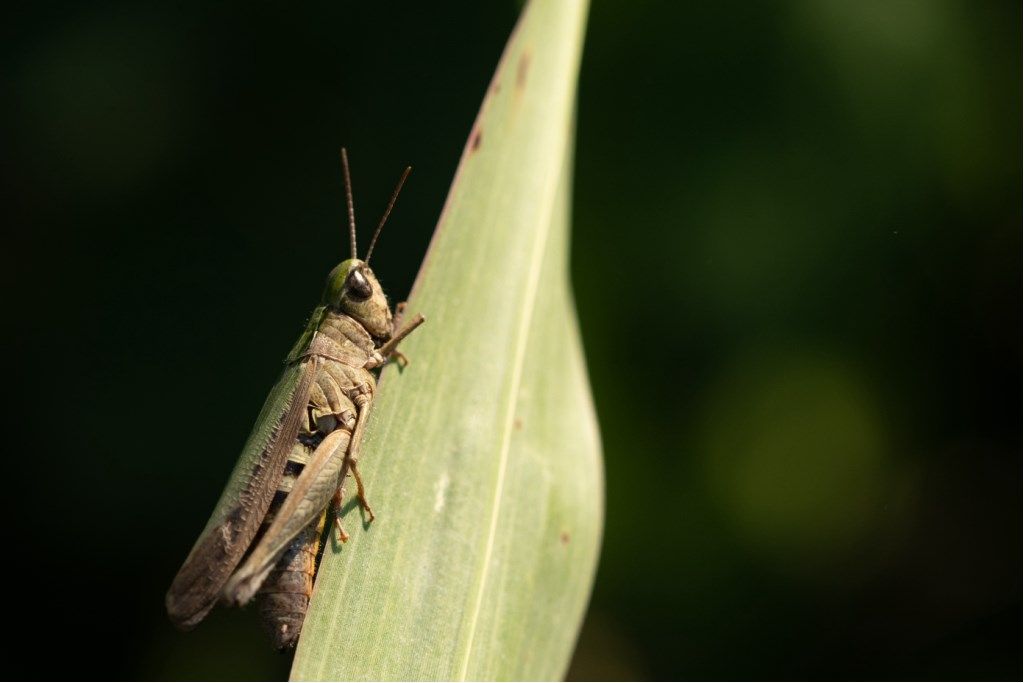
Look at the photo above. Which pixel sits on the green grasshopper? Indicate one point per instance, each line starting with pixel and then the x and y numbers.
pixel 268 526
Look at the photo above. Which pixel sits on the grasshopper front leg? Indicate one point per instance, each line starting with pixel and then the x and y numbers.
pixel 389 349
pixel 396 319
pixel 396 324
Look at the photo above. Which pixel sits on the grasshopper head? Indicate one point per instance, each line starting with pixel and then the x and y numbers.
pixel 352 289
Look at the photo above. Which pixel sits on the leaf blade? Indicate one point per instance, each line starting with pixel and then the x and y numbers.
pixel 482 457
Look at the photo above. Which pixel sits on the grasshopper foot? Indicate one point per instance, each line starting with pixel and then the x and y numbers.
pixel 336 505
pixel 361 492
pixel 342 534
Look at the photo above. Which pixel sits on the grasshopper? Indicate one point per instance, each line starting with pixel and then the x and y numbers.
pixel 267 529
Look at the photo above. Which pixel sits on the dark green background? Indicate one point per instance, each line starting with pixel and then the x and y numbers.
pixel 797 260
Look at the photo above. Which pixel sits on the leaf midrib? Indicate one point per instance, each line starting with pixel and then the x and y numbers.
pixel 522 339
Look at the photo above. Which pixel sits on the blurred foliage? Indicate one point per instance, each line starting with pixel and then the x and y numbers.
pixel 796 255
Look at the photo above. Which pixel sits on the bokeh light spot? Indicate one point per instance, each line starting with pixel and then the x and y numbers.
pixel 796 454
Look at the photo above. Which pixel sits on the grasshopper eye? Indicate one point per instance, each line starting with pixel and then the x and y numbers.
pixel 358 287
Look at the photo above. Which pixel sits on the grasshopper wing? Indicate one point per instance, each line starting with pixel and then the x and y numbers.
pixel 245 500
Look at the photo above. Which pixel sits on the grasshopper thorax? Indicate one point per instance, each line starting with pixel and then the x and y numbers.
pixel 352 289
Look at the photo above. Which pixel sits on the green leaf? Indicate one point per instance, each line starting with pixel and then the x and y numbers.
pixel 482 457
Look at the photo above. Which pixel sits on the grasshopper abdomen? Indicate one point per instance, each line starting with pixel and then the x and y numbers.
pixel 283 599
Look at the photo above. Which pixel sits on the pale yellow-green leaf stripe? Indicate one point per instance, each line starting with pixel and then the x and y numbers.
pixel 482 457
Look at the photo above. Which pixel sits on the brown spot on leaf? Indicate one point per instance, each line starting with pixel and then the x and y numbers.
pixel 564 538
pixel 523 70
pixel 517 423
pixel 474 145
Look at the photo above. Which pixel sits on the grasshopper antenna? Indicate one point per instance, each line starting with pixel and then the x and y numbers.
pixel 387 211
pixel 348 199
